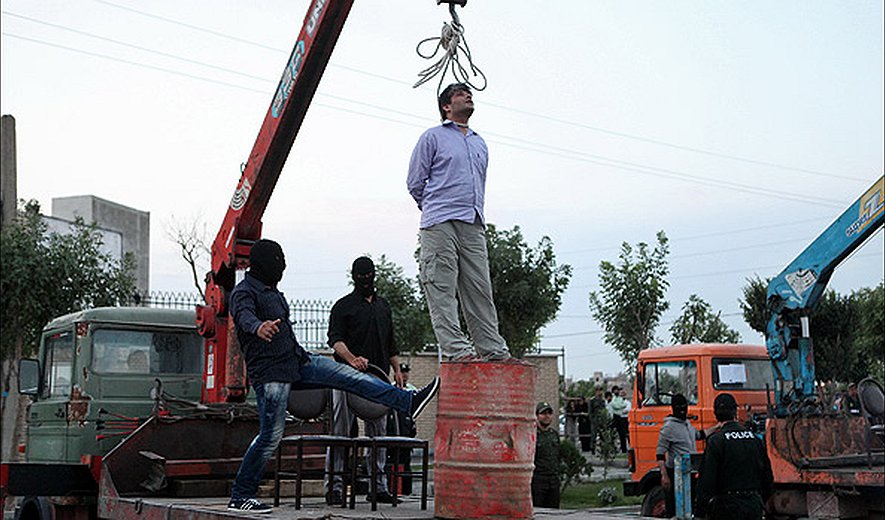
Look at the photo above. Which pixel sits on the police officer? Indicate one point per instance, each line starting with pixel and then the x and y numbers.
pixel 545 477
pixel 735 477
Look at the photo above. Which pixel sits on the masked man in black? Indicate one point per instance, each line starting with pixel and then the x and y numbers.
pixel 275 363
pixel 361 333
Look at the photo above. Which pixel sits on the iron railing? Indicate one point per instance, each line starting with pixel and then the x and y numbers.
pixel 309 317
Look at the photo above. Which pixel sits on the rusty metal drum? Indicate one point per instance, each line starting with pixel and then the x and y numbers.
pixel 485 440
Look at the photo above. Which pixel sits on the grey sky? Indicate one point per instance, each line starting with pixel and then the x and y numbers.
pixel 742 129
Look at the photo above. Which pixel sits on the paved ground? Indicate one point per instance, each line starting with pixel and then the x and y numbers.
pixel 410 509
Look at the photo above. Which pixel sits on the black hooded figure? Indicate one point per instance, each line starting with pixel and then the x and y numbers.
pixel 267 262
pixel 679 405
pixel 363 273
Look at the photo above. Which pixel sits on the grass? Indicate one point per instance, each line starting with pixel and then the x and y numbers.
pixel 585 495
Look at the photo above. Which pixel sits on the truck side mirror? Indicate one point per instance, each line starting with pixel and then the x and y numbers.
pixel 28 377
pixel 640 385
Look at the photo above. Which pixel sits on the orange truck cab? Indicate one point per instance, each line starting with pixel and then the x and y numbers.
pixel 700 372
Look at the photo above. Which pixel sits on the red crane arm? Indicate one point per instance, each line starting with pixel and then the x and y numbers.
pixel 224 373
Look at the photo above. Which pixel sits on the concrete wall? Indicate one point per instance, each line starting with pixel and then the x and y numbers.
pixel 425 366
pixel 133 224
pixel 8 182
pixel 111 241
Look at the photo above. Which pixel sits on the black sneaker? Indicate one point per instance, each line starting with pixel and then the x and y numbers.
pixel 384 498
pixel 422 397
pixel 334 498
pixel 248 505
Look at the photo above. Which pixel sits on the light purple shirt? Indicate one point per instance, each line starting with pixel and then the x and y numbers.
pixel 447 175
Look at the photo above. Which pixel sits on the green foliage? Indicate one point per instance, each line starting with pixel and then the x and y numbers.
pixel 630 299
pixel 754 303
pixel 870 333
pixel 833 325
pixel 527 285
pixel 572 465
pixel 699 324
pixel 580 388
pixel 411 320
pixel 44 275
pixel 848 331
pixel 587 495
pixel 606 441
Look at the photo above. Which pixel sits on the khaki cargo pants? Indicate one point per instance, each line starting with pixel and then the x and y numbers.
pixel 454 265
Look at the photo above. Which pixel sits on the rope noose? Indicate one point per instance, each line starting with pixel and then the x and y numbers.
pixel 451 41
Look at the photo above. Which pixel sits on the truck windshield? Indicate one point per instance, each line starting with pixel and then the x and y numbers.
pixel 664 380
pixel 146 352
pixel 59 352
pixel 743 374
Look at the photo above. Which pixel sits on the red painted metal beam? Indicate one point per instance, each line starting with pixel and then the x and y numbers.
pixel 224 373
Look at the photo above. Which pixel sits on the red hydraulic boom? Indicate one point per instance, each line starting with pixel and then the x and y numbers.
pixel 224 376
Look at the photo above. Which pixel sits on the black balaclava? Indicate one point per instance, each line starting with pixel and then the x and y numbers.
pixel 363 273
pixel 680 406
pixel 267 262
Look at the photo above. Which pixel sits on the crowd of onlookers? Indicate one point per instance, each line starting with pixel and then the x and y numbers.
pixel 586 419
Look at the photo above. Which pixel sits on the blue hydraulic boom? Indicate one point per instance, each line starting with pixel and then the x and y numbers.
pixel 794 293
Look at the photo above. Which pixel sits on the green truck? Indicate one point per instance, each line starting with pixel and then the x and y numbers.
pixel 99 375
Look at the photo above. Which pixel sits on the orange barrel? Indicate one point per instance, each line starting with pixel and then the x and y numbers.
pixel 485 440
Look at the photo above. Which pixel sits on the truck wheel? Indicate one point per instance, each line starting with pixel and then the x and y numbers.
pixel 34 508
pixel 655 503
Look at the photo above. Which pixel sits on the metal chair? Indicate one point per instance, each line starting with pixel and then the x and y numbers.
pixel 306 405
pixel 370 411
pixel 373 444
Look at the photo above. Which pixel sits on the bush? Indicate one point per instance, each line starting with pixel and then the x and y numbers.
pixel 572 465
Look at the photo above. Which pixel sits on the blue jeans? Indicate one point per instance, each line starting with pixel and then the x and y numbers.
pixel 273 397
pixel 322 372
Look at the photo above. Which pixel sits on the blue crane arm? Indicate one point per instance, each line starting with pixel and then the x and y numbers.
pixel 796 290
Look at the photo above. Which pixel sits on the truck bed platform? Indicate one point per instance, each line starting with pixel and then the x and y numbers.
pixel 315 508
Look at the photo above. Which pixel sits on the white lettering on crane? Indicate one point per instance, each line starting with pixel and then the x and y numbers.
pixel 314 19
pixel 288 79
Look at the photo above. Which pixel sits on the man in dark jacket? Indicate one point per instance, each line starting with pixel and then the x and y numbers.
pixel 360 334
pixel 275 363
pixel 545 477
pixel 735 477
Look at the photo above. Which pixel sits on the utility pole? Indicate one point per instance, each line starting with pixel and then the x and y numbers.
pixel 8 192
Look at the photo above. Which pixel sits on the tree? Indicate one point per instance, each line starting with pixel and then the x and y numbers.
pixel 572 465
pixel 630 299
pixel 870 335
pixel 698 324
pixel 44 275
pixel 847 331
pixel 527 285
pixel 411 321
pixel 190 236
pixel 833 324
pixel 581 387
pixel 754 304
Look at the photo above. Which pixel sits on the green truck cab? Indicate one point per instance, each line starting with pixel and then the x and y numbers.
pixel 100 372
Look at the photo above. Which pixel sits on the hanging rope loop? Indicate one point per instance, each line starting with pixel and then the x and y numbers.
pixel 451 47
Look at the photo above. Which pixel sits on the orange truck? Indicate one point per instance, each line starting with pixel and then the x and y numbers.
pixel 700 372
pixel 825 465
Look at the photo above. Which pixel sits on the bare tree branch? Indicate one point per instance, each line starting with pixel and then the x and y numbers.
pixel 190 235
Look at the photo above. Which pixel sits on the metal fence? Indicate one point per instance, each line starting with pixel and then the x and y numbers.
pixel 309 317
